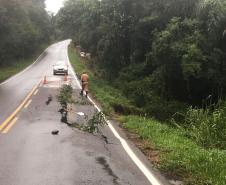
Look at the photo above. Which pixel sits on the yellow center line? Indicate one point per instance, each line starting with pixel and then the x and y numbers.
pixel 28 103
pixel 36 92
pixel 6 130
pixel 3 125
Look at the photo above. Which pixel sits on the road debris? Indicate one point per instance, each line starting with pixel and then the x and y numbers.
pixel 55 132
pixel 50 98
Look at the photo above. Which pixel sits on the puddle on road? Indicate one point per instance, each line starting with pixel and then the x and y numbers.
pixel 102 161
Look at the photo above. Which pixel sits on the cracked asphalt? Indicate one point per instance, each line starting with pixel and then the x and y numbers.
pixel 31 155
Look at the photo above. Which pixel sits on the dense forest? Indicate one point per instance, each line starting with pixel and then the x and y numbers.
pixel 24 26
pixel 156 51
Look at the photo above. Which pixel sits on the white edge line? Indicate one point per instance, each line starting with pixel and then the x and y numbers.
pixel 27 68
pixel 152 179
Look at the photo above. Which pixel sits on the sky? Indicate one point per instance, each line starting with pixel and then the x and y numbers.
pixel 54 5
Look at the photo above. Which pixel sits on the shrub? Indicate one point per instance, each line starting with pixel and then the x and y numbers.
pixel 65 95
pixel 207 126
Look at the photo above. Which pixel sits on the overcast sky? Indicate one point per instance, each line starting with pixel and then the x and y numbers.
pixel 54 5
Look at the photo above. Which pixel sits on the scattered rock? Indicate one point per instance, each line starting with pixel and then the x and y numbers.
pixel 55 132
pixel 50 98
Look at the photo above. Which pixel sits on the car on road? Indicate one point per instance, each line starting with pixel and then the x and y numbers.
pixel 60 68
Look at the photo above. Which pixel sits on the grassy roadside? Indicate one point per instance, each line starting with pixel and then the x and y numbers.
pixel 7 72
pixel 178 156
pixel 111 99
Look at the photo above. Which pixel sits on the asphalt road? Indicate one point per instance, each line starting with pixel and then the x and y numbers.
pixel 31 155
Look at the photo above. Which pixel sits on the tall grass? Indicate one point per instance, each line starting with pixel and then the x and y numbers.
pixel 207 126
pixel 13 69
pixel 180 156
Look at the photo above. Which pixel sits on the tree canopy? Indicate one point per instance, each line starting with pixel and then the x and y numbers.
pixel 24 25
pixel 171 49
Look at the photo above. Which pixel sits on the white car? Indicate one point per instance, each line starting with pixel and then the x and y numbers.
pixel 60 68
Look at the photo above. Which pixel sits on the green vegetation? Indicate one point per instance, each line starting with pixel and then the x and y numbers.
pixel 180 155
pixel 207 126
pixel 92 126
pixel 24 27
pixel 7 72
pixel 158 52
pixel 65 96
pixel 111 99
pixel 19 65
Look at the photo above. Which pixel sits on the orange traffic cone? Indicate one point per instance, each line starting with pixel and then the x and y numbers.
pixel 45 80
pixel 65 77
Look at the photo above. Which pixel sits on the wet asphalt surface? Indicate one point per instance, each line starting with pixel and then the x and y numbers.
pixel 31 155
pixel 15 90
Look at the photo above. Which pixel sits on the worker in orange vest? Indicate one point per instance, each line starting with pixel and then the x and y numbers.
pixel 84 80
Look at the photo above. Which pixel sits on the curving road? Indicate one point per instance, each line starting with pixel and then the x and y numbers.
pixel 31 155
pixel 14 90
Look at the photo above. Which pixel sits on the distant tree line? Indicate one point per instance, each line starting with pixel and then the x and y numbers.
pixel 153 49
pixel 24 26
